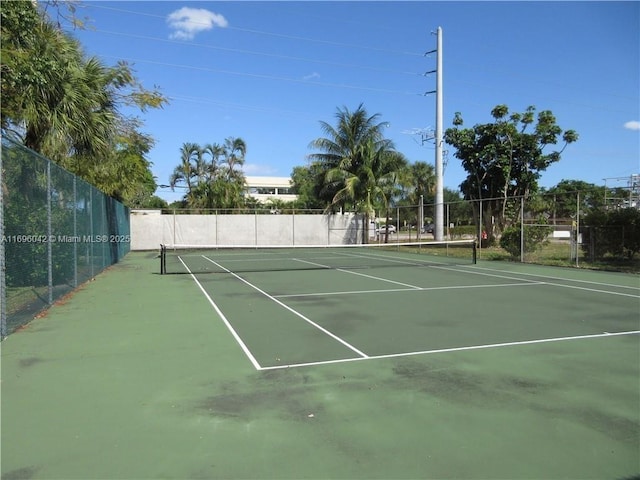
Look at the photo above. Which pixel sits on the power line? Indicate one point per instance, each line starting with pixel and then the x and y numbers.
pixel 454 80
pixel 262 76
pixel 272 34
pixel 508 72
pixel 250 52
pixel 237 106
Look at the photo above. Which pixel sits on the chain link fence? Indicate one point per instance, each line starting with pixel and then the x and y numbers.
pixel 579 229
pixel 56 232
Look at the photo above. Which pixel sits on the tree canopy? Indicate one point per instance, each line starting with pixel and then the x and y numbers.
pixel 355 166
pixel 66 106
pixel 504 159
pixel 564 196
pixel 211 174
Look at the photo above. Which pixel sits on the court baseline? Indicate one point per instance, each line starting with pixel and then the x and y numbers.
pixel 459 349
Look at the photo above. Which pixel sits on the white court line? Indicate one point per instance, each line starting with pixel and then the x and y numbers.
pixel 386 258
pixel 283 305
pixel 455 349
pixel 595 290
pixel 359 274
pixel 244 348
pixel 413 289
pixel 556 278
pixel 506 277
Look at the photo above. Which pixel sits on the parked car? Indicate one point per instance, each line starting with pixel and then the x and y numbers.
pixel 382 229
pixel 428 228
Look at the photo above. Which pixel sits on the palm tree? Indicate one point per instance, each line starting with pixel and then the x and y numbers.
pixel 232 182
pixel 64 105
pixel 355 159
pixel 235 150
pixel 185 172
pixel 422 181
pixel 215 152
pixel 369 181
pixel 391 182
pixel 211 174
pixel 73 110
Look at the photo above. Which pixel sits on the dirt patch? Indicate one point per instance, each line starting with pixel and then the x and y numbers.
pixel 280 393
pixel 21 474
pixel 465 387
pixel 30 362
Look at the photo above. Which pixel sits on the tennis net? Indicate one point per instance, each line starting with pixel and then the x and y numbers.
pixel 175 259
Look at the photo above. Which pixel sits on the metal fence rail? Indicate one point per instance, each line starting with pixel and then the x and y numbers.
pixel 56 232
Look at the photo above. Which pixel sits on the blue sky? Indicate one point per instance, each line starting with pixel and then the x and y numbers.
pixel 269 72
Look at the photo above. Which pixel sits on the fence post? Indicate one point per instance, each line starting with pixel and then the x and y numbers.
pixel 293 226
pixel 104 224
pixel 522 229
pixel 49 238
pixel 3 284
pixel 448 225
pixel 480 226
pixel 173 219
pixel 420 225
pixel 91 231
pixel 577 228
pixel 328 215
pixel 75 234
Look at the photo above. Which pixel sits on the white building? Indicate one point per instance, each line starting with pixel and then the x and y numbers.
pixel 266 189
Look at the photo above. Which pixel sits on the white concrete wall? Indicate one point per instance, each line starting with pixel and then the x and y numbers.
pixel 149 229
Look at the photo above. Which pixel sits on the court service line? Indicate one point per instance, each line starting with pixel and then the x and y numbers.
pixel 456 349
pixel 360 274
pixel 506 277
pixel 235 335
pixel 416 289
pixel 287 307
pixel 557 278
pixel 575 287
pixel 595 290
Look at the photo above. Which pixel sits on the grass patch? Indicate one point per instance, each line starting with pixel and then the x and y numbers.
pixel 558 254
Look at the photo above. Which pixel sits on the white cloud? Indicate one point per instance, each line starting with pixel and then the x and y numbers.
pixel 312 76
pixel 632 125
pixel 187 22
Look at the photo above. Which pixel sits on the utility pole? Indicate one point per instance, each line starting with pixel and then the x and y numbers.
pixel 438 231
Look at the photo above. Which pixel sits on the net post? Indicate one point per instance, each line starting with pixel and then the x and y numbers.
pixel 475 253
pixel 163 259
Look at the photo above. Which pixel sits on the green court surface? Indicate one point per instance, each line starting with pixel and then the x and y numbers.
pixel 487 371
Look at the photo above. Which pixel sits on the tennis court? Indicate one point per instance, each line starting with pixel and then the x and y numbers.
pixel 318 363
pixel 348 307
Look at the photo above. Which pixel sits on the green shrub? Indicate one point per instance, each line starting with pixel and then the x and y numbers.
pixel 612 233
pixel 463 231
pixel 535 236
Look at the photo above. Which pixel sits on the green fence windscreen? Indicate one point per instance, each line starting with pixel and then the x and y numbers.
pixel 56 232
